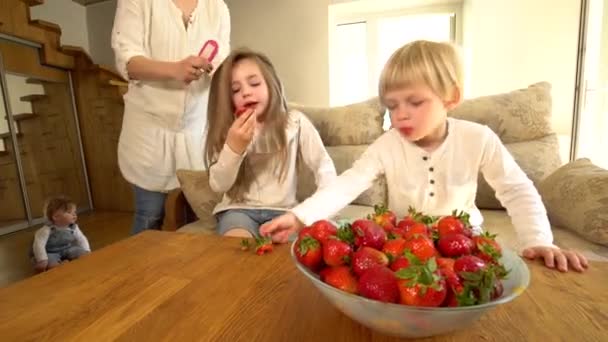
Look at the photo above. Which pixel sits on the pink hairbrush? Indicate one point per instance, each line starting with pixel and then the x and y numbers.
pixel 209 50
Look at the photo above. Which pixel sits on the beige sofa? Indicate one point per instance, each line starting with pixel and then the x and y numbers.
pixel 521 119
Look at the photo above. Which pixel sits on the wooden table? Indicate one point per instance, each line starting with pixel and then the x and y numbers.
pixel 184 287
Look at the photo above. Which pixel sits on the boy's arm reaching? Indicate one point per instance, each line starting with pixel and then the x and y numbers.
pixel 315 155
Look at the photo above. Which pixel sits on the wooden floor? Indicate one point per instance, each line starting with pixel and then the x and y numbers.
pixel 101 229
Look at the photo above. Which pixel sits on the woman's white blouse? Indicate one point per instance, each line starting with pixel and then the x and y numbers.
pixel 164 121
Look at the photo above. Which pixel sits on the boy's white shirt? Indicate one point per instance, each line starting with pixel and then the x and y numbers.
pixel 267 191
pixel 42 236
pixel 440 181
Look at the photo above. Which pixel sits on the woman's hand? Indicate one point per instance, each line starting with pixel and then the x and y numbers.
pixel 241 132
pixel 191 69
pixel 554 256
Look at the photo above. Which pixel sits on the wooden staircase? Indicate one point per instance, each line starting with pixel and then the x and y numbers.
pixel 46 140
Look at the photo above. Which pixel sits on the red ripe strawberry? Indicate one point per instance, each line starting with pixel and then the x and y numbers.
pixel 468 263
pixel 454 224
pixel 412 218
pixel 263 245
pixel 394 248
pixel 416 229
pixel 309 253
pixel 340 277
pixel 336 252
pixel 365 258
pixel 455 245
pixel 399 263
pixel 368 233
pixel 304 232
pixel 445 264
pixel 487 248
pixel 383 217
pixel 379 283
pixel 498 290
pixel 421 284
pixel 422 247
pixel 322 229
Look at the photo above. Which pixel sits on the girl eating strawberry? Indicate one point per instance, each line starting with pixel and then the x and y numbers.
pixel 253 143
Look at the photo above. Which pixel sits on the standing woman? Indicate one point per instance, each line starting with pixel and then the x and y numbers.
pixel 156 44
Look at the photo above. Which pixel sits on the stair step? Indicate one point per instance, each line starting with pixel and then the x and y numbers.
pixel 33 80
pixel 33 97
pixel 23 116
pixel 4 153
pixel 46 24
pixel 34 2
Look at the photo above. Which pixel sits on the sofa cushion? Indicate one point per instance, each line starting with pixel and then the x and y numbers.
pixel 522 120
pixel 343 157
pixel 516 116
pixel 537 158
pixel 198 193
pixel 355 124
pixel 576 197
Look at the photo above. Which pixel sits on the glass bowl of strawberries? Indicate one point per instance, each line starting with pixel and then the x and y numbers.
pixel 421 276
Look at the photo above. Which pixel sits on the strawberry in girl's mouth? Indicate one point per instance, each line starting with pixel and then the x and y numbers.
pixel 248 105
pixel 406 130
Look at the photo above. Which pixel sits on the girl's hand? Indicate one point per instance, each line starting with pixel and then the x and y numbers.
pixel 561 257
pixel 191 68
pixel 240 133
pixel 281 227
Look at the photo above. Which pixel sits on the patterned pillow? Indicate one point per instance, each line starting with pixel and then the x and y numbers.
pixel 195 186
pixel 355 124
pixel 537 158
pixel 576 197
pixel 520 115
pixel 343 157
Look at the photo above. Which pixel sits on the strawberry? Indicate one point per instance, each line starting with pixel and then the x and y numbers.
pixel 422 247
pixel 394 248
pixel 487 248
pixel 480 280
pixel 383 217
pixel 445 263
pixel 304 232
pixel 417 228
pixel 379 283
pixel 368 233
pixel 309 253
pixel 340 277
pixel 455 245
pixel 336 252
pixel 263 245
pixel 468 263
pixel 421 284
pixel 245 245
pixel 399 263
pixel 366 257
pixel 322 229
pixel 454 287
pixel 454 224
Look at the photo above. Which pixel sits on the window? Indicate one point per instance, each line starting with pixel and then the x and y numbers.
pixel 362 39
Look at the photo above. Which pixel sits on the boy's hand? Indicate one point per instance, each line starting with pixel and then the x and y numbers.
pixel 41 266
pixel 240 133
pixel 280 228
pixel 554 256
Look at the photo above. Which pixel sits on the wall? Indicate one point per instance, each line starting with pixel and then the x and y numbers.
pixel 70 16
pixel 513 43
pixel 100 19
pixel 297 47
